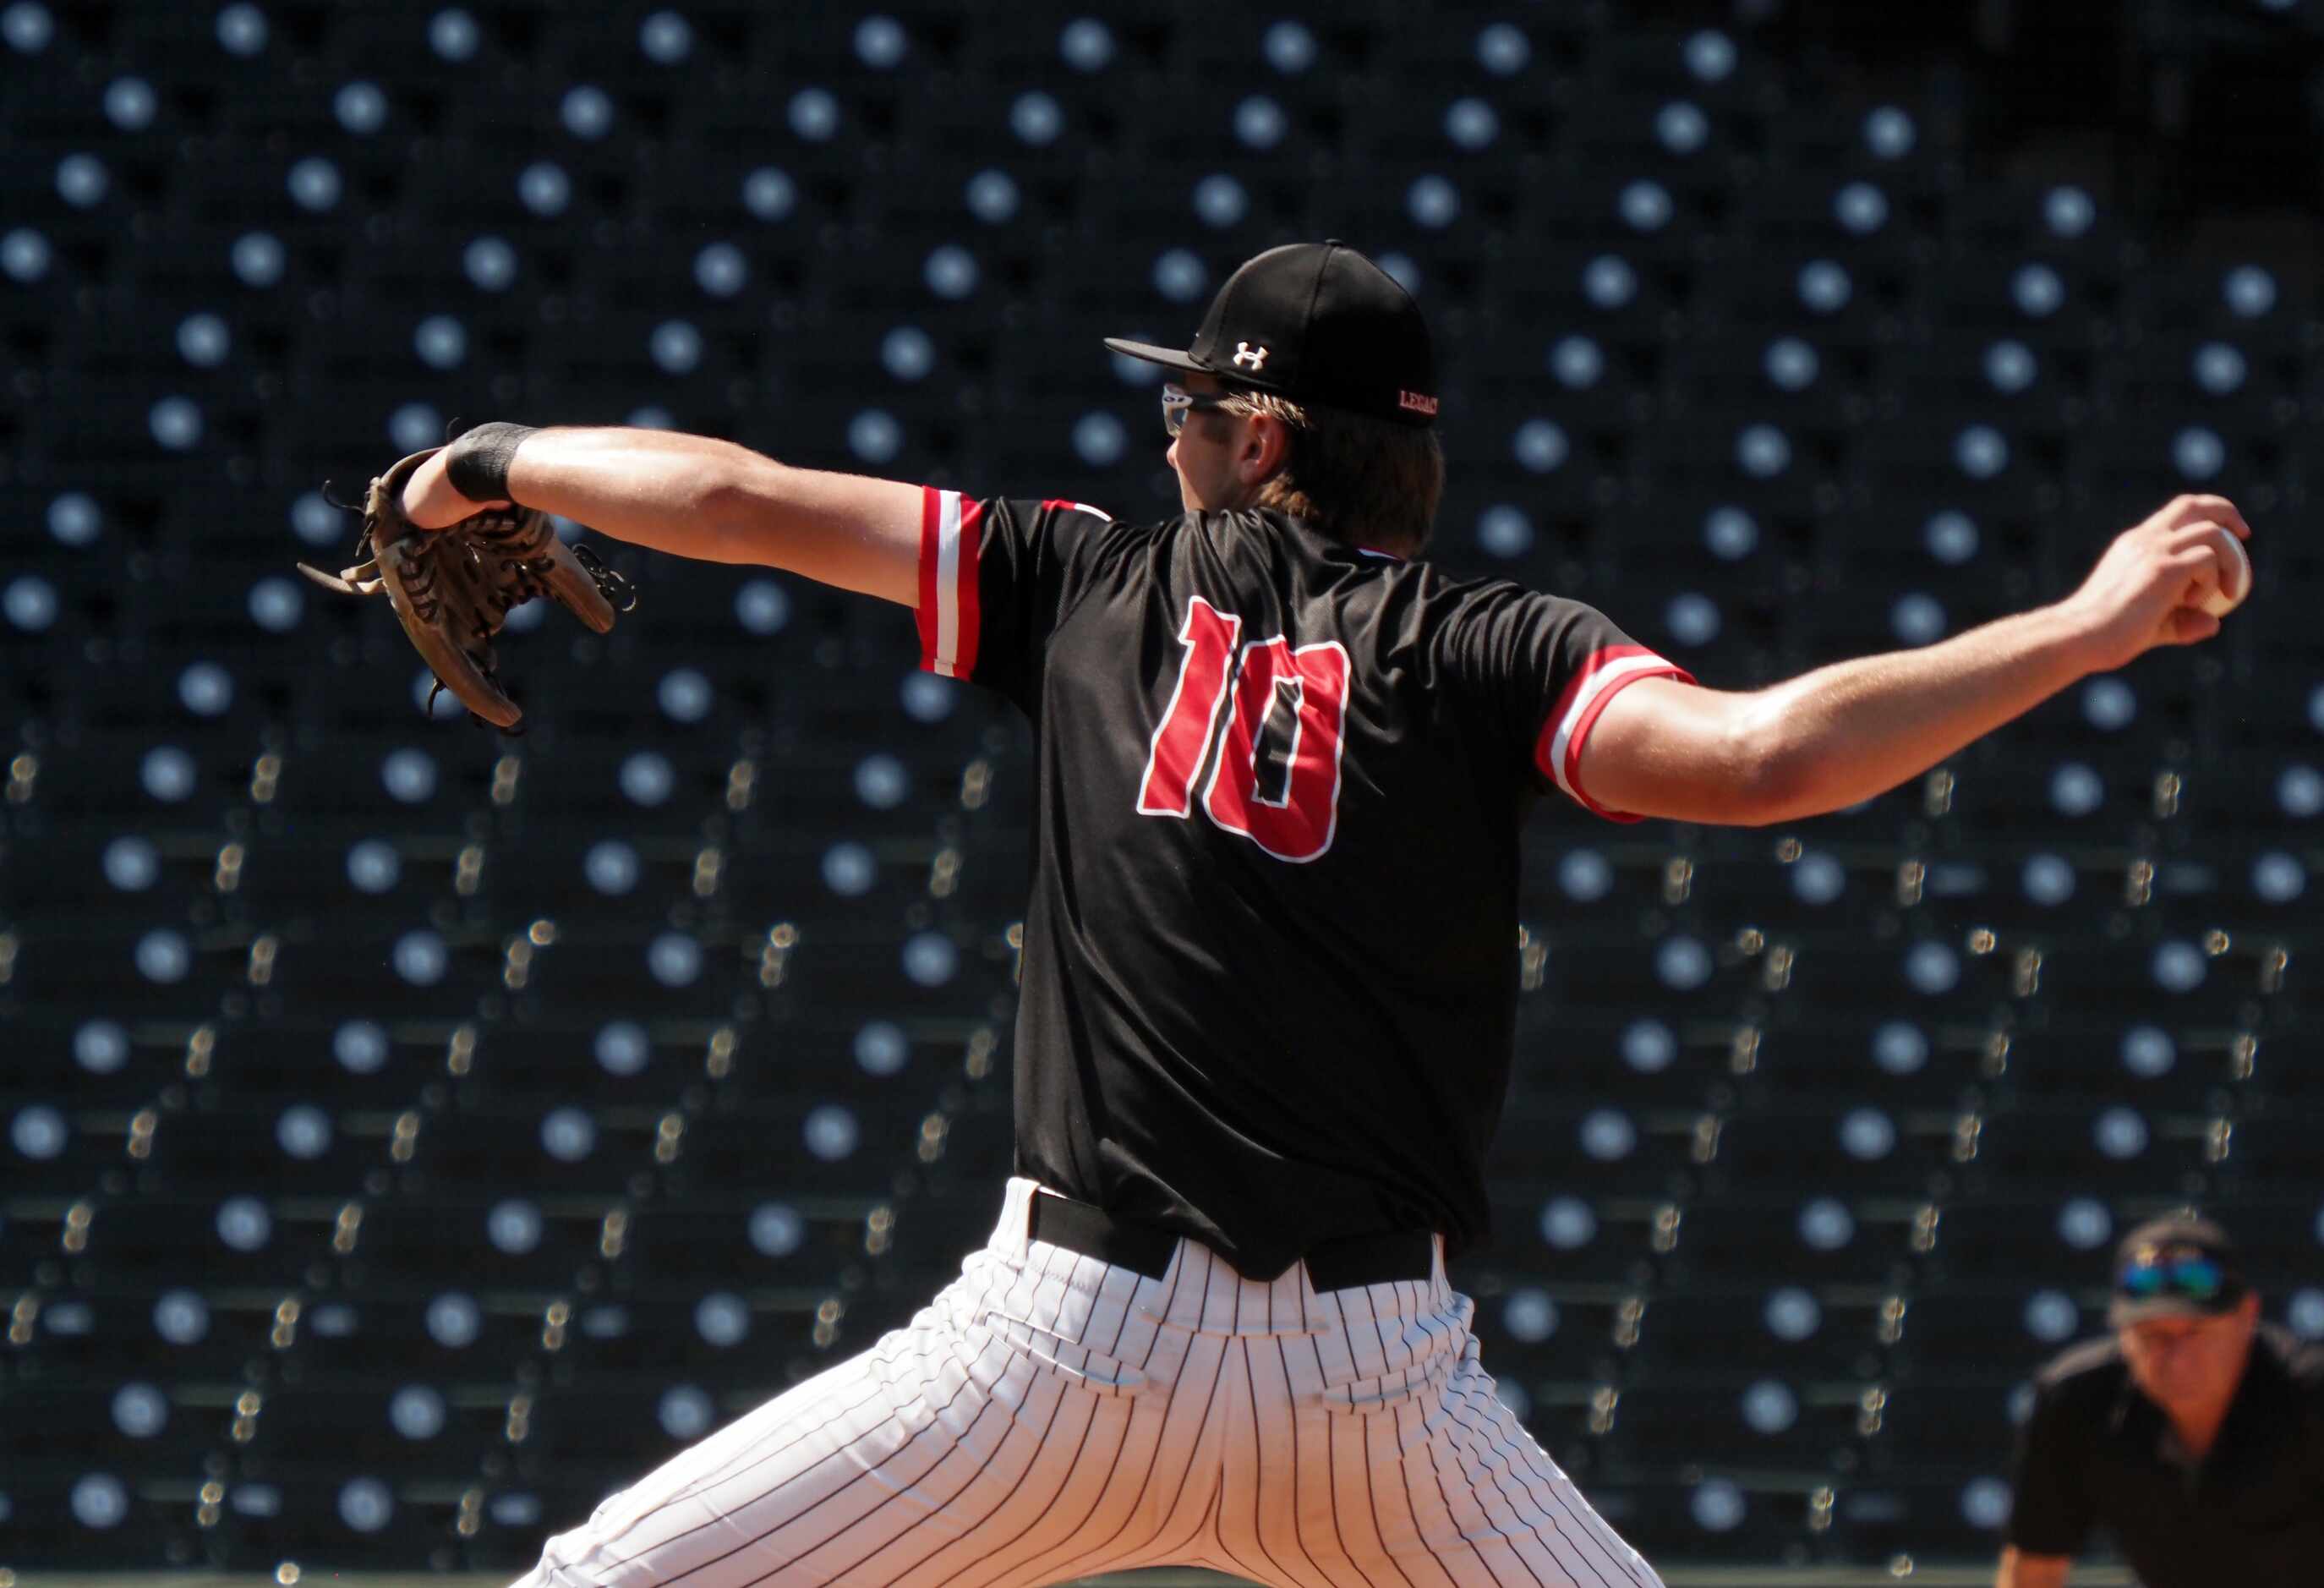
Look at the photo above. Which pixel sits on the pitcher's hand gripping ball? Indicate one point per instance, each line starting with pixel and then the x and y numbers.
pixel 2235 575
pixel 452 589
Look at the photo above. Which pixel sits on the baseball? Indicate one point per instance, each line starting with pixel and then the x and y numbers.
pixel 2235 575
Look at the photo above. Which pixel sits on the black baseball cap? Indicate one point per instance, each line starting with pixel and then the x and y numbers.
pixel 2181 1267
pixel 1317 323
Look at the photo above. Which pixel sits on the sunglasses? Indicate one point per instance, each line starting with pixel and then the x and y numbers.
pixel 2197 1278
pixel 1177 402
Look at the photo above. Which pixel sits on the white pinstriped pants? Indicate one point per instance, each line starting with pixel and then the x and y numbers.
pixel 1050 1415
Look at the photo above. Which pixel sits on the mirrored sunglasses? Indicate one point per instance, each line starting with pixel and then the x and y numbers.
pixel 2197 1278
pixel 1177 402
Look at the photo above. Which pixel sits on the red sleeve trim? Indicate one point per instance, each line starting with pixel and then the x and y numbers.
pixel 1557 752
pixel 949 612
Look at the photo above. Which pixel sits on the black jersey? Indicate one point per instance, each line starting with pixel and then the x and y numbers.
pixel 2096 1452
pixel 1270 966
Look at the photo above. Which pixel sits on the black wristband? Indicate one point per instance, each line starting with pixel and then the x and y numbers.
pixel 477 464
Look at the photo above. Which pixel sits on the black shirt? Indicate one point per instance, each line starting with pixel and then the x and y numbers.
pixel 2096 1451
pixel 1269 967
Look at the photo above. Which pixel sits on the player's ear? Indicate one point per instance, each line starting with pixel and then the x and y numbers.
pixel 1266 444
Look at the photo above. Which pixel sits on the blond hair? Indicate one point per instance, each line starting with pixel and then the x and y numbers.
pixel 1363 481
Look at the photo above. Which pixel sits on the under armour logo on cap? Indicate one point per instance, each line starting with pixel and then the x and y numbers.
pixel 1326 326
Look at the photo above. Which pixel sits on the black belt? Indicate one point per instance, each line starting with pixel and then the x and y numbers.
pixel 1335 1264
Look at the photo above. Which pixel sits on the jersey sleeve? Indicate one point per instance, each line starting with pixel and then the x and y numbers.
pixel 1548 667
pixel 2050 1509
pixel 996 575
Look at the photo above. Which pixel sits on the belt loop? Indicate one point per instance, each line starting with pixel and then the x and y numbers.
pixel 1013 1236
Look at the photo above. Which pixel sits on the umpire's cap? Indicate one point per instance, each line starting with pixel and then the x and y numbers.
pixel 2175 1268
pixel 1317 323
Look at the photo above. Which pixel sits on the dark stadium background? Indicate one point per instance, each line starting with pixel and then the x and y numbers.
pixel 413 1134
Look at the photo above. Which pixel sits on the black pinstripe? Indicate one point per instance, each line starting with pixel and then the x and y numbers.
pixel 1451 1399
pixel 1516 1530
pixel 880 1465
pixel 1259 1448
pixel 1014 1360
pixel 1436 1471
pixel 1064 1478
pixel 878 1388
pixel 903 1495
pixel 1210 1401
pixel 1072 1564
pixel 1411 1510
pixel 1129 1418
pixel 966 1484
pixel 1079 1443
pixel 968 1379
pixel 1219 1530
pixel 1331 1466
pixel 1258 1466
pixel 1525 1485
pixel 906 1346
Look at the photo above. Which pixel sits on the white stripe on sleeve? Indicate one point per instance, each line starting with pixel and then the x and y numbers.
pixel 1591 688
pixel 947 584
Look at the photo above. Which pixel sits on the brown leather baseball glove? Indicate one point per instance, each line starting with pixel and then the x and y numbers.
pixel 453 587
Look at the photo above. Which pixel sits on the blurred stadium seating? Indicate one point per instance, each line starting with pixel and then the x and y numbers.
pixel 410 1135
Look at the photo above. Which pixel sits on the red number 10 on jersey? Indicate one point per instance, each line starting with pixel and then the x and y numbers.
pixel 1294 821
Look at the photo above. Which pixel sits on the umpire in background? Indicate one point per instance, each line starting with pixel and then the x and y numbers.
pixel 2195 1435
